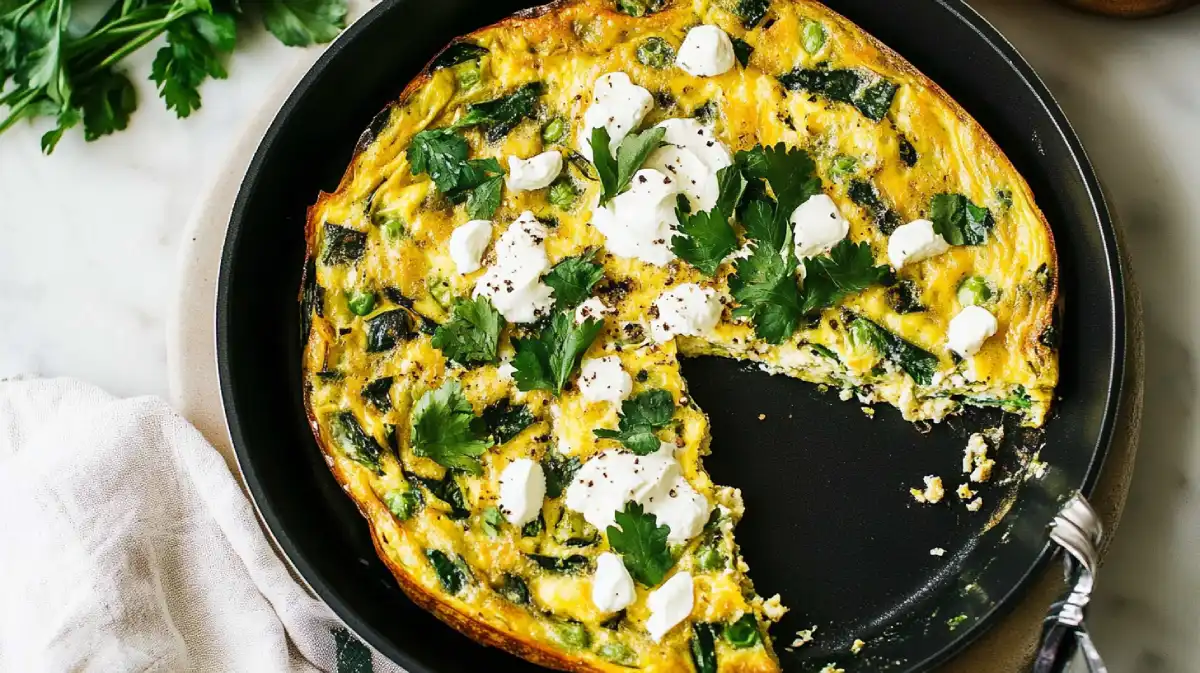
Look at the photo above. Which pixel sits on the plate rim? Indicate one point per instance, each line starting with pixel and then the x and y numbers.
pixel 1115 273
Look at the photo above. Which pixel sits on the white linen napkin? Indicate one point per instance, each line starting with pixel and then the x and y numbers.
pixel 127 545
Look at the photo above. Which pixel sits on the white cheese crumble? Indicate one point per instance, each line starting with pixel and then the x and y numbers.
pixel 686 309
pixel 818 226
pixel 914 242
pixel 535 172
pixel 614 477
pixel 514 282
pixel 467 243
pixel 969 329
pixel 522 489
pixel 974 505
pixel 640 222
pixel 618 105
pixel 692 156
pixel 591 308
pixel 670 604
pixel 937 551
pixel 612 587
pixel 604 380
pixel 707 51
pixel 804 637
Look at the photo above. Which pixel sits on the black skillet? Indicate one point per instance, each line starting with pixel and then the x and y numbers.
pixel 830 525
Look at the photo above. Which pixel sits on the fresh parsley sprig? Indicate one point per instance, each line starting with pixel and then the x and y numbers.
pixel 54 70
pixel 446 429
pixel 641 416
pixel 617 171
pixel 442 154
pixel 573 279
pixel 548 360
pixel 472 335
pixel 704 239
pixel 642 544
pixel 960 221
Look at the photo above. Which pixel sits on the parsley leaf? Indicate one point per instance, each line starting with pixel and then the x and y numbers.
pixel 731 184
pixel 642 544
pixel 848 268
pixel 472 334
pixel 500 115
pixel 704 239
pixel 300 23
pixel 764 283
pixel 959 221
pixel 442 154
pixel 192 54
pixel 792 175
pixel 573 279
pixel 547 361
pixel 616 172
pixel 445 428
pixel 641 415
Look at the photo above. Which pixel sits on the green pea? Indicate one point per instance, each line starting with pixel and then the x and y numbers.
pixel 573 635
pixel 814 36
pixel 842 165
pixel 393 230
pixel 617 653
pixel 974 291
pixel 402 503
pixel 563 194
pixel 554 130
pixel 742 633
pixel 360 301
pixel 655 52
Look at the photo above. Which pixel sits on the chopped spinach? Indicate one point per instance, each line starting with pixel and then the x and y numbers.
pixel 843 85
pixel 742 51
pixel 447 490
pixel 864 194
pixel 917 362
pixel 559 470
pixel 655 52
pixel 975 291
pixel 841 166
pixel 492 521
pixel 534 528
pixel 1017 401
pixel 640 7
pixel 706 113
pixel 908 153
pixel 514 589
pixel 312 300
pixel 459 52
pixel 1044 277
pixel 743 633
pixel 505 420
pixel 905 297
pixel 823 351
pixel 563 194
pixel 500 115
pixel 343 245
pixel 561 564
pixel 959 221
pixel 388 329
pixel 704 647
pixel 751 12
pixel 377 392
pixel 450 573
pixel 1049 336
pixel 354 442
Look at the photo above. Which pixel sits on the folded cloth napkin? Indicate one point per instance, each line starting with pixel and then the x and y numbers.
pixel 127 545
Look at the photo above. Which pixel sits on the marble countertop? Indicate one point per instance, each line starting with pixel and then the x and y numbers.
pixel 86 281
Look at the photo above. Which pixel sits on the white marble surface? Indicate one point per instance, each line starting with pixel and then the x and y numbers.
pixel 90 236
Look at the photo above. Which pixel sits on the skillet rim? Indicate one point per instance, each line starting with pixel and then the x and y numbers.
pixel 972 19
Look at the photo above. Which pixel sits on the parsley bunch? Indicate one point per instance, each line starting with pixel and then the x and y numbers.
pixel 50 66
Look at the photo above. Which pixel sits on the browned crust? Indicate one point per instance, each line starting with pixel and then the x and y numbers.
pixel 473 626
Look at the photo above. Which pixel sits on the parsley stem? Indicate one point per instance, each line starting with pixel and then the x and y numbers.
pixel 15 109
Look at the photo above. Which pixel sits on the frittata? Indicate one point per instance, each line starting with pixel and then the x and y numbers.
pixel 564 204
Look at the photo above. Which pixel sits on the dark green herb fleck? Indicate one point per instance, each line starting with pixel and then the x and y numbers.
pixel 343 245
pixel 449 573
pixel 655 52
